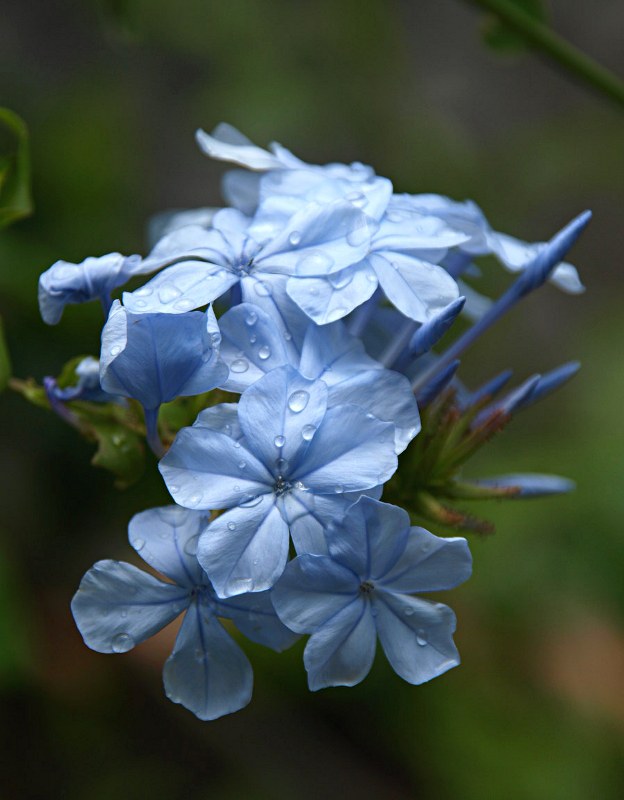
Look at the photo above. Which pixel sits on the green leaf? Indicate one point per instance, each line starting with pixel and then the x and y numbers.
pixel 5 361
pixel 15 198
pixel 502 37
pixel 120 451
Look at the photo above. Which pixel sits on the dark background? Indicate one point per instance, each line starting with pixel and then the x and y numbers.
pixel 112 93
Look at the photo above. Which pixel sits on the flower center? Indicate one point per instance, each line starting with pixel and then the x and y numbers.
pixel 281 486
pixel 366 587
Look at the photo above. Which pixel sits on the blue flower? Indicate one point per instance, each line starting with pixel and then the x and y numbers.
pixel 282 462
pixel 155 358
pixel 362 590
pixel 93 278
pixel 467 217
pixel 254 343
pixel 118 606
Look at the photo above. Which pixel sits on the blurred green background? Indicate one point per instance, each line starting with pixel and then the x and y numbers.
pixel 112 93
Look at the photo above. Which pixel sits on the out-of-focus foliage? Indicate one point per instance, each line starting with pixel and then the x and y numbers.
pixel 15 199
pixel 535 710
pixel 501 37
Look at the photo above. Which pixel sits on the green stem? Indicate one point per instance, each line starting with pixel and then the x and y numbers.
pixel 557 48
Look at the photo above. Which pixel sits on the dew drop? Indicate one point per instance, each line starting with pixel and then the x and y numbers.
pixel 122 642
pixel 140 303
pixel 357 235
pixel 337 313
pixel 339 489
pixel 340 280
pixel 314 263
pixel 251 318
pixel 231 526
pixel 239 365
pixel 174 489
pixel 287 335
pixel 408 611
pixel 279 441
pixel 294 238
pixel 253 338
pixel 357 199
pixel 307 432
pixel 190 546
pixel 421 637
pixel 241 585
pixel 282 465
pixel 298 401
pixel 241 464
pixel 183 305
pixel 138 544
pixel 115 351
pixel 123 614
pixel 168 293
pixel 237 488
pixel 264 352
pixel 194 500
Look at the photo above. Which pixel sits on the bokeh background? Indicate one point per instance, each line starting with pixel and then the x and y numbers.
pixel 112 93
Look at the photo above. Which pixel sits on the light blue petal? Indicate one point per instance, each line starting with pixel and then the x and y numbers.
pixel 349 452
pixel 222 419
pixel 118 606
pixel 386 394
pixel 245 549
pixel 417 288
pixel 405 230
pixel 331 298
pixel 275 415
pixel 428 564
pixel 312 590
pixel 416 636
pixel 341 652
pixel 155 358
pixel 207 671
pixel 241 151
pixel 318 240
pixel 241 189
pixel 308 516
pixel 515 254
pixel 205 469
pixel 181 287
pixel 65 282
pixel 268 292
pixel 254 616
pixel 166 538
pixel 252 345
pixel 166 222
pixel 332 354
pixel 369 538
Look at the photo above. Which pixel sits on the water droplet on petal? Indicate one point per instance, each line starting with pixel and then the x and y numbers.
pixel 357 199
pixel 337 313
pixel 123 614
pixel 251 318
pixel 239 365
pixel 294 238
pixel 241 585
pixel 183 305
pixel 143 291
pixel 253 338
pixel 237 488
pixel 279 441
pixel 340 280
pixel 282 465
pixel 242 464
pixel 408 611
pixel 122 642
pixel 287 335
pixel 168 293
pixel 194 500
pixel 339 489
pixel 357 235
pixel 231 526
pixel 298 401
pixel 264 352
pixel 421 637
pixel 315 263
pixel 174 489
pixel 190 546
pixel 116 350
pixel 140 303
pixel 307 432
pixel 138 544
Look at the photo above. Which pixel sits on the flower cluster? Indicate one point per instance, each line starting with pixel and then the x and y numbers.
pixel 318 295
